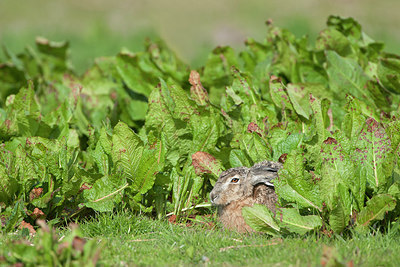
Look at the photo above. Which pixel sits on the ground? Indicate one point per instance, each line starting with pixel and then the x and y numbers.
pixel 130 240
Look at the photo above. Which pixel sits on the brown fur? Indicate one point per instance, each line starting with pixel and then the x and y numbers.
pixel 231 215
pixel 254 187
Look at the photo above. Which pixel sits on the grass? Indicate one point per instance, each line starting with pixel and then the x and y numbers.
pixel 131 240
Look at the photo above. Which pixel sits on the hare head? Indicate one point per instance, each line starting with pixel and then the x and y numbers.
pixel 238 183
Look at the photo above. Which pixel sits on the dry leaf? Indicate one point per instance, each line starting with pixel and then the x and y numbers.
pixel 28 226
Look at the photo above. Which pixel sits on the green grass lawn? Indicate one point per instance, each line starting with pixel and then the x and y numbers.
pixel 130 240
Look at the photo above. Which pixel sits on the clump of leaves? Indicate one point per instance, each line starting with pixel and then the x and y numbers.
pixel 347 176
pixel 140 131
pixel 47 249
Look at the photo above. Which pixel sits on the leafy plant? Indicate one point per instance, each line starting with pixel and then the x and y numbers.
pixel 143 132
pixel 47 249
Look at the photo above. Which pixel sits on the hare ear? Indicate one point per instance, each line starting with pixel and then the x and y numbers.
pixel 263 175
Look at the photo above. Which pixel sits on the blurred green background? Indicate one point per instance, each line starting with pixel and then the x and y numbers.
pixel 191 28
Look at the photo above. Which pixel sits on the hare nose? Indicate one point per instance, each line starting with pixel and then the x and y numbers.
pixel 212 197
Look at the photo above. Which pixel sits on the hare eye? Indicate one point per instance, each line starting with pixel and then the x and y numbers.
pixel 235 180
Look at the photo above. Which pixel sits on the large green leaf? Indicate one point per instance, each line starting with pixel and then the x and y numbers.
pixel 254 146
pixel 8 185
pixel 287 145
pixel 278 94
pixel 138 162
pixel 389 73
pixel 373 154
pixel 376 209
pixel 170 111
pixel 291 220
pixel 27 173
pixel 238 158
pixel 205 130
pixel 346 76
pixel 392 130
pixel 23 114
pixel 319 119
pixel 353 120
pixel 298 96
pixel 103 195
pixel 338 218
pixel 11 80
pixel 332 39
pixel 295 185
pixel 260 218
pixel 140 81
pixel 338 170
pixel 53 61
pixel 206 163
pixel 217 70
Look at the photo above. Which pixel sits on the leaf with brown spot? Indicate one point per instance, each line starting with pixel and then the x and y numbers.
pixel 337 179
pixel 28 226
pixel 330 141
pixel 282 158
pixel 35 193
pixel 373 154
pixel 197 91
pixel 172 218
pixel 37 214
pixel 84 187
pixel 206 163
pixel 253 127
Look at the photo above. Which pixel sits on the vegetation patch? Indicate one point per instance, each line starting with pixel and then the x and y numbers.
pixel 143 133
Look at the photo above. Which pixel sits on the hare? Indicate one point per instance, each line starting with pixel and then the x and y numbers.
pixel 240 187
